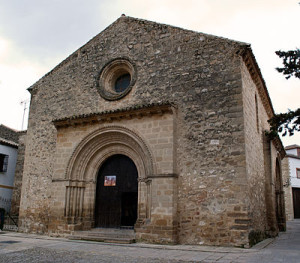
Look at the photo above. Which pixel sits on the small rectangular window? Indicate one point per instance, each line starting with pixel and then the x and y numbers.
pixel 3 162
pixel 298 173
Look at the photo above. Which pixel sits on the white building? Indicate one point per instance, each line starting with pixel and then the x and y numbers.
pixel 293 189
pixel 8 160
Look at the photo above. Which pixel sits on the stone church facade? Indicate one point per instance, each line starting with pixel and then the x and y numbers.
pixel 157 128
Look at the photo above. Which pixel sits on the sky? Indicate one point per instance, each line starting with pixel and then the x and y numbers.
pixel 36 35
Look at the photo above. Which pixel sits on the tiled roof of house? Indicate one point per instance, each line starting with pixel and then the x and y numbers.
pixel 8 143
pixel 8 134
pixel 293 146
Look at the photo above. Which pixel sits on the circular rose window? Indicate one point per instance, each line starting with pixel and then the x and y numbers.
pixel 116 79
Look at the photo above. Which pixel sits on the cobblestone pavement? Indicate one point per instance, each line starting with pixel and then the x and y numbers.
pixel 16 247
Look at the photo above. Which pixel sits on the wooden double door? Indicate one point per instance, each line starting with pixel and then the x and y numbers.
pixel 116 193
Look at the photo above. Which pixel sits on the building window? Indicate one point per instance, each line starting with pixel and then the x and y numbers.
pixel 3 162
pixel 298 173
pixel 122 83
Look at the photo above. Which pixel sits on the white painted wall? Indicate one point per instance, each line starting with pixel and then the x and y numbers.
pixel 293 164
pixel 292 151
pixel 7 178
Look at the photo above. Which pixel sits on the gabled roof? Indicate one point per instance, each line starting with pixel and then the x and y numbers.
pixel 244 51
pixel 142 23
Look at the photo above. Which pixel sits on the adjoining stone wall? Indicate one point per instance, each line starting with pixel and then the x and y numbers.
pixel 288 194
pixel 209 202
pixel 261 156
pixel 16 196
pixel 255 123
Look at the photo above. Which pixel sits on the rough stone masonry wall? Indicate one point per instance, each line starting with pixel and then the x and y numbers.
pixel 288 196
pixel 197 72
pixel 16 196
pixel 256 123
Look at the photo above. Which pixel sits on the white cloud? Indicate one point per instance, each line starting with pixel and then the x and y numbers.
pixel 16 74
pixel 14 81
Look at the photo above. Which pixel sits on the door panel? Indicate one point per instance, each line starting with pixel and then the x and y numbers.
pixel 296 202
pixel 129 209
pixel 116 205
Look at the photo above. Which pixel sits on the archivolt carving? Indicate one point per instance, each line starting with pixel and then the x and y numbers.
pixel 99 145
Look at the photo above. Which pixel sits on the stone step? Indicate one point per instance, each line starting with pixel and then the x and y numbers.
pixel 117 240
pixel 107 235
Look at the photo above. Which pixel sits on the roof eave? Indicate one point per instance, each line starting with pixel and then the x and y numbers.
pixel 256 75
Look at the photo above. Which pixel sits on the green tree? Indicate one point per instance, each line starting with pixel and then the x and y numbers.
pixel 291 63
pixel 289 122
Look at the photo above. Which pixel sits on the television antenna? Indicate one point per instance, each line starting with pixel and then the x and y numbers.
pixel 25 103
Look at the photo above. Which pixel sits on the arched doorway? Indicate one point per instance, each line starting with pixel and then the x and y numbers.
pixel 83 170
pixel 116 193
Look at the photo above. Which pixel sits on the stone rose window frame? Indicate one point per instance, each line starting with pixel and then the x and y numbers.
pixel 110 75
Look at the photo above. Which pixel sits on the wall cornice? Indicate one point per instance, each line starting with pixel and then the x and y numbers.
pixel 136 111
pixel 257 78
